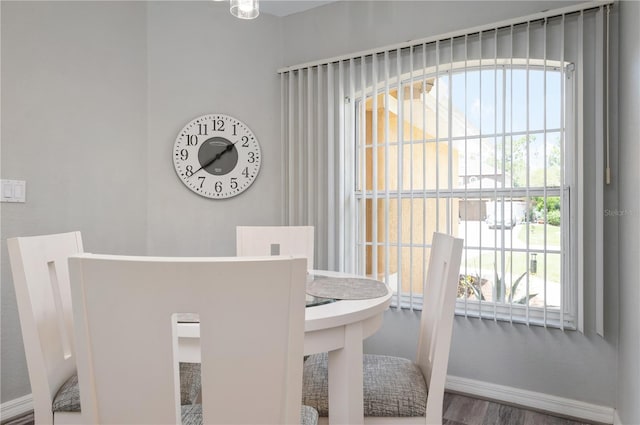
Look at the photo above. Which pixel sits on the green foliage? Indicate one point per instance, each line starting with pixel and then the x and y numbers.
pixel 501 287
pixel 553 203
pixel 514 287
pixel 552 209
pixel 553 217
pixel 517 164
pixel 470 285
pixel 521 159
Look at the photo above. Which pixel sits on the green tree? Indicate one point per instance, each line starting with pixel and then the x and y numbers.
pixel 515 159
pixel 514 162
pixel 553 203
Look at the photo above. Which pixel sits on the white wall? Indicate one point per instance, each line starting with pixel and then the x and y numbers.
pixel 74 127
pixel 564 364
pixel 629 206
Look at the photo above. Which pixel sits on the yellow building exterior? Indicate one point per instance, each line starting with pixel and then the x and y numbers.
pixel 425 165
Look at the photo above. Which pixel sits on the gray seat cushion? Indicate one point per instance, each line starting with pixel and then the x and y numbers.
pixel 393 386
pixel 309 416
pixel 67 398
pixel 189 383
pixel 192 415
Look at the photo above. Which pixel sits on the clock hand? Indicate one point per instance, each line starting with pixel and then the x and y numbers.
pixel 217 157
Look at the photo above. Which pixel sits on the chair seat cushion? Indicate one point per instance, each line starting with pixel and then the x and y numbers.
pixel 67 398
pixel 393 386
pixel 309 416
pixel 192 415
pixel 189 383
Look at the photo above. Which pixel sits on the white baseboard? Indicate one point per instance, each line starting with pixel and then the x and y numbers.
pixel 17 406
pixel 533 400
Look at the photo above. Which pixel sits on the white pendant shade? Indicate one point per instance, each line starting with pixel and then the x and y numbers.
pixel 245 9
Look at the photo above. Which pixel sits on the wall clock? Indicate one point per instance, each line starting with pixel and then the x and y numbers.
pixel 217 156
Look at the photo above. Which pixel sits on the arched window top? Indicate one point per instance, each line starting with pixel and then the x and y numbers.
pixel 480 98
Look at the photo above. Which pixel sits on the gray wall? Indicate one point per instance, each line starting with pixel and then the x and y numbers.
pixel 353 26
pixel 203 60
pixel 629 207
pixel 566 364
pixel 74 127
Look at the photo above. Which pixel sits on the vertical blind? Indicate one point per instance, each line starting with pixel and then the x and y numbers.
pixel 350 174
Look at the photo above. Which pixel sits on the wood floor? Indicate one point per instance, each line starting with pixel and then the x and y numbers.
pixel 464 410
pixel 458 410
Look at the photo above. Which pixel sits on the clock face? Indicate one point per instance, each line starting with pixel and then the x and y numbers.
pixel 217 156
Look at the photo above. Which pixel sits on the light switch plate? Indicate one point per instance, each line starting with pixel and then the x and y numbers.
pixel 13 190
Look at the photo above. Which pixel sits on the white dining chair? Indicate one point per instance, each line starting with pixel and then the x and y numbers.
pixel 39 266
pixel 276 240
pixel 251 338
pixel 397 390
pixel 41 281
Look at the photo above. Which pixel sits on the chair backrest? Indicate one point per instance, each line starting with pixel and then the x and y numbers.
pixel 41 279
pixel 276 240
pixel 436 325
pixel 251 336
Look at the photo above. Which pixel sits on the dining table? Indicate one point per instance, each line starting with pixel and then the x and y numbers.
pixel 342 310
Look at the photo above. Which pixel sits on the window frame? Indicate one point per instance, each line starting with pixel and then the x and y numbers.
pixel 567 315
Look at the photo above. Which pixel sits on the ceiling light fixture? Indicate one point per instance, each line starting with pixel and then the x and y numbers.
pixel 245 9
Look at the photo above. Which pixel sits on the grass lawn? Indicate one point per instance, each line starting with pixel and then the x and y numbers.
pixel 516 265
pixel 536 235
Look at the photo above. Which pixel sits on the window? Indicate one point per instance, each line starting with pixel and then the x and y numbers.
pixel 478 152
pixel 486 133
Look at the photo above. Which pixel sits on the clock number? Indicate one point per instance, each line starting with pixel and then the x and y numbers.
pixel 235 133
pixel 218 125
pixel 234 183
pixel 184 154
pixel 245 142
pixel 202 179
pixel 192 140
pixel 202 129
pixel 189 170
pixel 252 157
pixel 218 187
pixel 245 172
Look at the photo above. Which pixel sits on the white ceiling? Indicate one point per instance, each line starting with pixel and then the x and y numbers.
pixel 288 7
